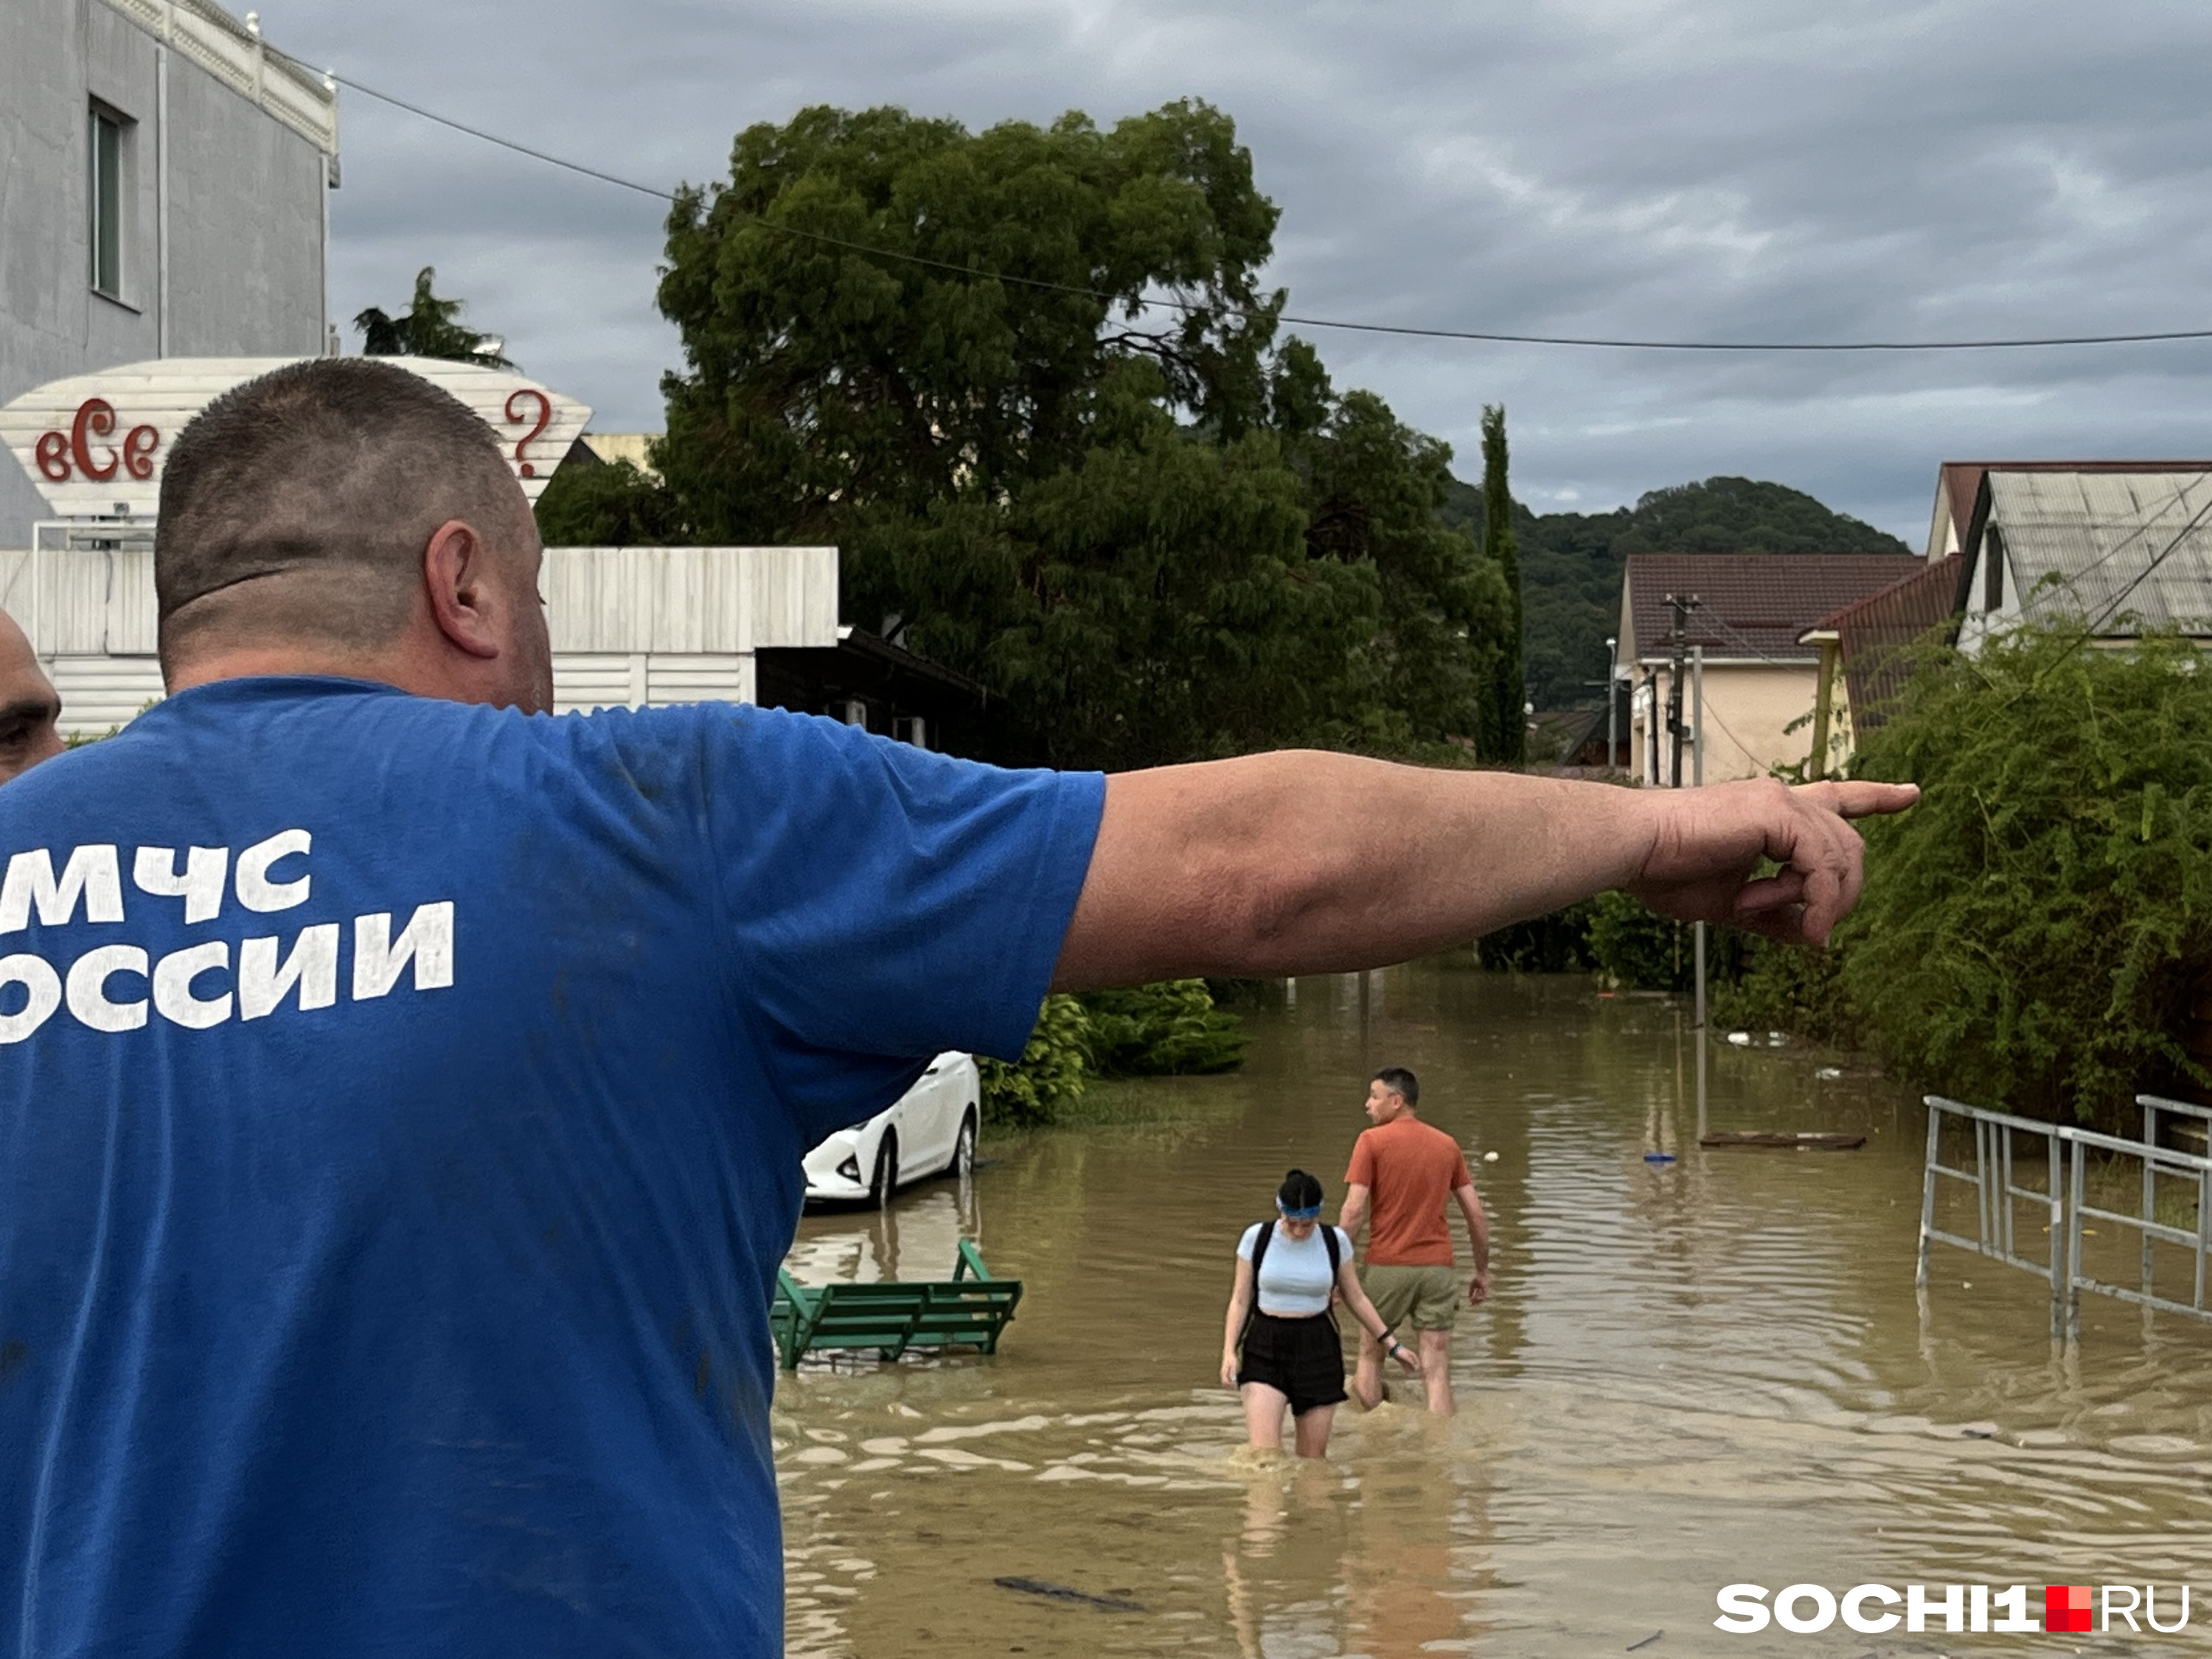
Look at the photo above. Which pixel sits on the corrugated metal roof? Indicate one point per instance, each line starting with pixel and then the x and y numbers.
pixel 2124 551
pixel 1959 483
pixel 1750 605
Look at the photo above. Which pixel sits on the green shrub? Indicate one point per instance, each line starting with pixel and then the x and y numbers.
pixel 1634 948
pixel 1169 1028
pixel 1235 993
pixel 1557 944
pixel 1782 987
pixel 2032 930
pixel 1030 1093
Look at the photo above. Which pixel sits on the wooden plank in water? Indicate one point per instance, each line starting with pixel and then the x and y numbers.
pixel 1809 1141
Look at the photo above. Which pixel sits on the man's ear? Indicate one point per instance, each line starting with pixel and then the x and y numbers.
pixel 457 576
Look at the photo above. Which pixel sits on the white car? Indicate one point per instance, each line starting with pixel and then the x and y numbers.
pixel 930 1130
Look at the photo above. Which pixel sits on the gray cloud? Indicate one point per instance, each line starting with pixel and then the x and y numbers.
pixel 1745 169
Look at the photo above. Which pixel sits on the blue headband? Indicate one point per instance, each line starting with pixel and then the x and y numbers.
pixel 1312 1213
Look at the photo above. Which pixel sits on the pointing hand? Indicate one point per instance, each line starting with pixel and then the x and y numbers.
pixel 1707 843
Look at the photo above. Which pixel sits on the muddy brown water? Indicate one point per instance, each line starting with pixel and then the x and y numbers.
pixel 1691 1373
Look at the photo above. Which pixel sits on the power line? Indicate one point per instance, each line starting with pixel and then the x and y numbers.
pixel 2195 521
pixel 1188 308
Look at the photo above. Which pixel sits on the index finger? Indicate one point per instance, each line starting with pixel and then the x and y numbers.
pixel 1861 798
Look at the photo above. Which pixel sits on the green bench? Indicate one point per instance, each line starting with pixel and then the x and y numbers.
pixel 967 1310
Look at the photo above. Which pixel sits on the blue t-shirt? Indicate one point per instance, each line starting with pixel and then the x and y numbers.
pixel 401 1109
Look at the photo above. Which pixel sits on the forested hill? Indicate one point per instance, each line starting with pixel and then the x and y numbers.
pixel 1570 562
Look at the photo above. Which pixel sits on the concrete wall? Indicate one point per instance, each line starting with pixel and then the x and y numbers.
pixel 1749 709
pixel 245 213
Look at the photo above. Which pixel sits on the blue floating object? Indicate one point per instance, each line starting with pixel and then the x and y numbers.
pixel 1658 1157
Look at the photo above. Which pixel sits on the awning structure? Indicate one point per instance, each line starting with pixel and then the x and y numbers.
pixel 865 680
pixel 1875 636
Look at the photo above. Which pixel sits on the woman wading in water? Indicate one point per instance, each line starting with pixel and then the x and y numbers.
pixel 1292 1354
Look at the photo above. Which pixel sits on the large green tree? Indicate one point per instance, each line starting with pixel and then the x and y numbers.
pixel 1028 381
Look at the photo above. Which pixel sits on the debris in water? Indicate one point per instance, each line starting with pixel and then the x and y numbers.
pixel 1829 1073
pixel 1646 1642
pixel 1804 1141
pixel 1739 1039
pixel 1489 1158
pixel 1068 1592
pixel 1658 1157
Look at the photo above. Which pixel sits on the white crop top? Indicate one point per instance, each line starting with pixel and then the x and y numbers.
pixel 1294 1280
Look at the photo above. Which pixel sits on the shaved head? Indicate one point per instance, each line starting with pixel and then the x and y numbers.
pixel 296 507
pixel 28 705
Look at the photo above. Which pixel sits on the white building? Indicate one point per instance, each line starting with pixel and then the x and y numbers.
pixel 164 175
pixel 630 626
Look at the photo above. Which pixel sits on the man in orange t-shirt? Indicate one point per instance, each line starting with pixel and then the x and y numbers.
pixel 1403 1173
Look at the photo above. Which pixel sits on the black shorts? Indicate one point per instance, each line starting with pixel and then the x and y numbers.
pixel 1303 1358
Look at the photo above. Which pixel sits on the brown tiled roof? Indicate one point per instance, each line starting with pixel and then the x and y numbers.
pixel 1750 605
pixel 1874 632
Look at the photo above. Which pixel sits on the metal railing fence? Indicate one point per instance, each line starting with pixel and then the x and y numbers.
pixel 1996 1191
pixel 1996 1177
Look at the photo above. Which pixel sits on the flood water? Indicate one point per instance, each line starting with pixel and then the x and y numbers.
pixel 1690 1374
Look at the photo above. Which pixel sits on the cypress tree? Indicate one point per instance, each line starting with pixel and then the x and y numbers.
pixel 1509 726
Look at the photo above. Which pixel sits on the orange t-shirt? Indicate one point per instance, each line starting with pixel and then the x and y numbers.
pixel 1410 1170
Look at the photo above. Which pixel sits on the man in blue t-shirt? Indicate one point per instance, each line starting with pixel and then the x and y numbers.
pixel 403 1092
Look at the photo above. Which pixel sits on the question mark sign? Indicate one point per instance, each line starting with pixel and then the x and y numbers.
pixel 545 419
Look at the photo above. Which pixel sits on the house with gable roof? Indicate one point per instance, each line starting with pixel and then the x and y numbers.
pixel 2115 548
pixel 1745 614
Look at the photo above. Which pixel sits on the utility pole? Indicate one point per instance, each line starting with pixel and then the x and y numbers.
pixel 1697 777
pixel 1676 727
pixel 1612 706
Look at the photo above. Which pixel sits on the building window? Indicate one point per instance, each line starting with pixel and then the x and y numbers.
pixel 105 177
pixel 1993 572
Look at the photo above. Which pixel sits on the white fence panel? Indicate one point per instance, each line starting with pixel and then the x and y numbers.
pixel 586 680
pixel 99 694
pixel 673 677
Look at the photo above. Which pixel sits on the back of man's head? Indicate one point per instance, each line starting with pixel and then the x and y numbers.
pixel 1397 1080
pixel 296 506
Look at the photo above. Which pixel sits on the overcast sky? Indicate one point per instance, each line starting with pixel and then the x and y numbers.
pixel 1757 169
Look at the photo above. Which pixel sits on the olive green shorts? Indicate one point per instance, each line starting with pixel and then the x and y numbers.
pixel 1414 1298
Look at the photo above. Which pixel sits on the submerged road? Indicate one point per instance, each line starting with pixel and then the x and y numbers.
pixel 1691 1373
